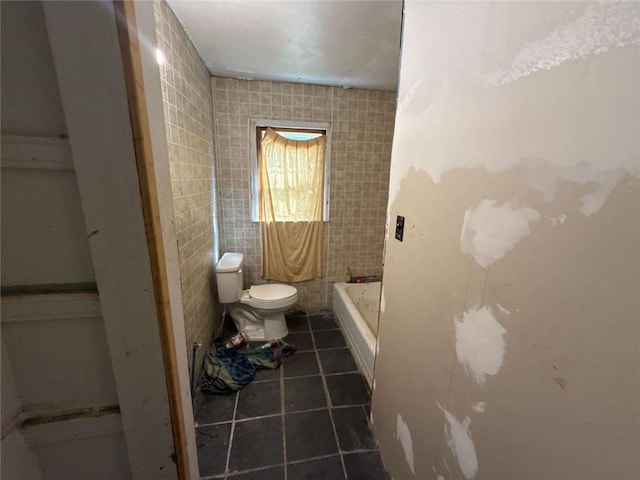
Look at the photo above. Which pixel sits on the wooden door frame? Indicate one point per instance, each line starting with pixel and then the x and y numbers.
pixel 128 34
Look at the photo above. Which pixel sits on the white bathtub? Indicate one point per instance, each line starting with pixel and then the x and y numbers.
pixel 356 308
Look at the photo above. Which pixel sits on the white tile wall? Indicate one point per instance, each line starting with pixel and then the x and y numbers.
pixel 186 92
pixel 362 133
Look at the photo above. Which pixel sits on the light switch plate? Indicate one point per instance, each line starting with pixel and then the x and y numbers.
pixel 399 227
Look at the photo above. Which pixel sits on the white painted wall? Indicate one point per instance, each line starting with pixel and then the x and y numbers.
pixel 55 357
pixel 11 404
pixel 346 43
pixel 90 447
pixel 55 354
pixel 43 232
pixel 43 239
pixel 57 348
pixel 18 461
pixel 31 102
pixel 59 352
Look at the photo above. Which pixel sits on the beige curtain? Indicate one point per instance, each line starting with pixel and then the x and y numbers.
pixel 291 193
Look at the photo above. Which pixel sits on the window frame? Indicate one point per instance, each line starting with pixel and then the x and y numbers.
pixel 255 126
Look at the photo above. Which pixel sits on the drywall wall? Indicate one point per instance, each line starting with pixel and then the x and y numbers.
pixel 186 95
pixel 509 335
pixel 362 129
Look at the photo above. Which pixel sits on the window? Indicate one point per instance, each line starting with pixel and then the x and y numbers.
pixel 292 131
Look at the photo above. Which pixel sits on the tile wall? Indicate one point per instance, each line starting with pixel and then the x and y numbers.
pixel 186 93
pixel 362 132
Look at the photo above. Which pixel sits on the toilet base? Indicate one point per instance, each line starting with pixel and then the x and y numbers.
pixel 258 328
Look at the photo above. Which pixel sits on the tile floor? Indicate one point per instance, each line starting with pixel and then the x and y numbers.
pixel 306 420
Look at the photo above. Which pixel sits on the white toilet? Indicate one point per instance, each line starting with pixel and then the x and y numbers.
pixel 259 311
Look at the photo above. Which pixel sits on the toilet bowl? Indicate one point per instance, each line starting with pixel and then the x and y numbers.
pixel 258 312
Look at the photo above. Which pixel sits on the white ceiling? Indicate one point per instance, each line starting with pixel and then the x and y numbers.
pixel 349 43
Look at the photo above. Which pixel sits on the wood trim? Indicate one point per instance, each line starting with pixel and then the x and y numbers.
pixel 29 308
pixel 48 289
pixel 52 426
pixel 132 65
pixel 39 153
pixel 72 426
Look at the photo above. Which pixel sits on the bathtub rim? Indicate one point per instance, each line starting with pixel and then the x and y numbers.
pixel 359 337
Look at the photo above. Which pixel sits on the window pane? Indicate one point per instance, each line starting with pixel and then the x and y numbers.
pixel 299 135
pixel 296 135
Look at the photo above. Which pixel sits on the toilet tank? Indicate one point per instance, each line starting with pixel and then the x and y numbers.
pixel 229 277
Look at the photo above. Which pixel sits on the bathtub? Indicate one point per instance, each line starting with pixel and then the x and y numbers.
pixel 356 308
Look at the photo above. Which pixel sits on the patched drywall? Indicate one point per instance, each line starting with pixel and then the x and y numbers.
pixel 403 434
pixel 596 29
pixel 480 342
pixel 461 116
pixel 460 443
pixel 512 301
pixel 490 230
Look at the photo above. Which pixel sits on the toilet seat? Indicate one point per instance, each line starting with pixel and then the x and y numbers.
pixel 271 291
pixel 269 296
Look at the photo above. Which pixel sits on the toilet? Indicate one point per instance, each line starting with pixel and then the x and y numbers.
pixel 258 312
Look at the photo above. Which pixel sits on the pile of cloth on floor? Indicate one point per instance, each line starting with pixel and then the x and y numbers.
pixel 226 370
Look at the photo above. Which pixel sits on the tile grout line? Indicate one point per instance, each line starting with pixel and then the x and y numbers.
pixel 272 415
pixel 233 427
pixel 329 455
pixel 343 347
pixel 293 462
pixel 329 404
pixel 350 372
pixel 284 426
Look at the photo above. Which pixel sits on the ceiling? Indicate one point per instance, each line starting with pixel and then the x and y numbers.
pixel 348 43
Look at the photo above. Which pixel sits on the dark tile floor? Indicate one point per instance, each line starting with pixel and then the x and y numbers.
pixel 306 420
